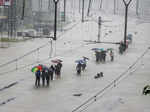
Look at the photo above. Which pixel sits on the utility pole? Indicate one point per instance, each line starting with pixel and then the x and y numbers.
pixel 89 7
pixel 137 7
pixel 39 17
pixel 55 22
pixel 101 4
pixel 126 17
pixel 23 10
pixel 11 19
pixel 79 5
pixel 82 10
pixel 64 10
pixel 12 16
pixel 99 28
pixel 114 6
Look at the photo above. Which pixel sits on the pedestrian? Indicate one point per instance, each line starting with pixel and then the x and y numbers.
pixel 103 55
pixel 121 47
pixel 83 66
pixel 43 77
pixel 47 76
pixel 84 63
pixel 58 69
pixel 111 55
pixel 59 66
pixel 37 80
pixel 98 56
pixel 51 71
pixel 78 68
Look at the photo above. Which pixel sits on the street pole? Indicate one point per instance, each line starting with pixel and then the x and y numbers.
pixel 64 10
pixel 82 10
pixel 23 9
pixel 79 5
pixel 55 21
pixel 101 4
pixel 89 7
pixel 137 7
pixel 126 18
pixel 99 28
pixel 125 28
pixel 114 6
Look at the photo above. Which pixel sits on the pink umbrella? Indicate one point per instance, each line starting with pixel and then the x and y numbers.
pixel 56 61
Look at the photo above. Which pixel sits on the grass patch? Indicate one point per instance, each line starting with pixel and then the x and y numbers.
pixel 11 40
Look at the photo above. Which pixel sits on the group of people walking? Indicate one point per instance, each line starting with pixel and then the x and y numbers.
pixel 47 74
pixel 81 65
pixel 101 56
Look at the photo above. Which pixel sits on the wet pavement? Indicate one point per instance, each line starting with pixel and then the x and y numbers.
pixel 18 93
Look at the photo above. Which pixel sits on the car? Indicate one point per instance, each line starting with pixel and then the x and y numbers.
pixel 27 33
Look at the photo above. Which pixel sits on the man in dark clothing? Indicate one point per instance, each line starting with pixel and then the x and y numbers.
pixel 58 69
pixel 37 75
pixel 59 65
pixel 51 71
pixel 103 55
pixel 47 75
pixel 97 54
pixel 43 77
pixel 78 68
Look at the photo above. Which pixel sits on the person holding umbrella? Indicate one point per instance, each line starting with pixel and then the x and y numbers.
pixel 58 67
pixel 78 68
pixel 111 55
pixel 51 71
pixel 47 76
pixel 84 62
pixel 37 80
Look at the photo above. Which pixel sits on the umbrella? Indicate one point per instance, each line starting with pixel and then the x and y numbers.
pixel 129 35
pixel 86 58
pixel 80 61
pixel 110 49
pixel 39 67
pixel 34 69
pixel 44 67
pixel 102 49
pixel 56 61
pixel 98 49
pixel 94 49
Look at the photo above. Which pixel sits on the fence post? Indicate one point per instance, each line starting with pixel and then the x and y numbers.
pixel 94 98
pixel 37 55
pixel 16 64
pixel 114 83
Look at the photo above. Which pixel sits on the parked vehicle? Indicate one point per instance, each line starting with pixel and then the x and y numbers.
pixel 27 33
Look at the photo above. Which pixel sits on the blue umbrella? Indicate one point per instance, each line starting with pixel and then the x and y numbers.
pixel 80 61
pixel 129 35
pixel 85 58
pixel 94 49
pixel 102 49
pixel 98 49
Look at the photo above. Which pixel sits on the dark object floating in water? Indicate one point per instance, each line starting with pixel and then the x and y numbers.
pixel 79 94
